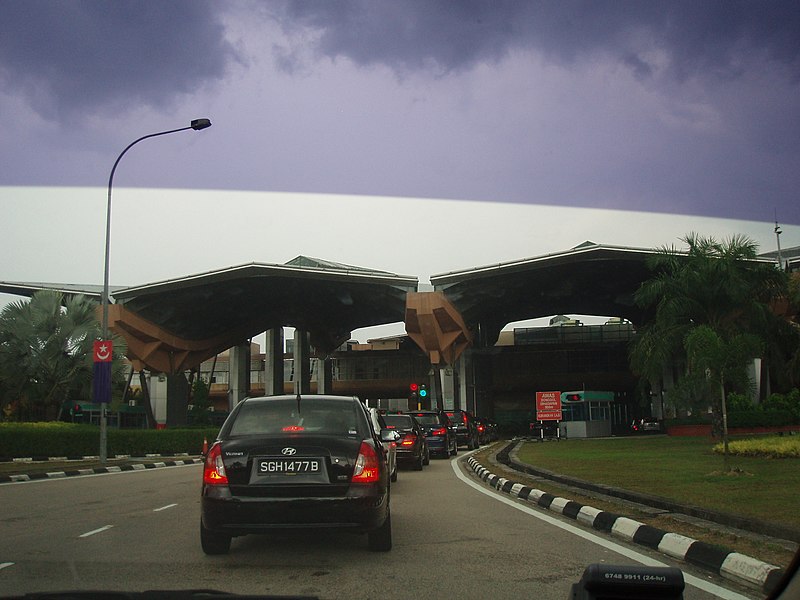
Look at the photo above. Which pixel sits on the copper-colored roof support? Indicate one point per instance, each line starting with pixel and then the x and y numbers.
pixel 436 326
pixel 154 348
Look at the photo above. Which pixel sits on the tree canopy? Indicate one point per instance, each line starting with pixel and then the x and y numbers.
pixel 720 287
pixel 46 353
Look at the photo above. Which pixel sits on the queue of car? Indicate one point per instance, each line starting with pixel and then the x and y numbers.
pixel 319 461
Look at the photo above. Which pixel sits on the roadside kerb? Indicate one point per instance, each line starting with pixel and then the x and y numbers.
pixel 726 563
pixel 94 470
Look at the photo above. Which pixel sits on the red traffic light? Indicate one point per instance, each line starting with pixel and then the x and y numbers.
pixel 573 398
pixel 414 387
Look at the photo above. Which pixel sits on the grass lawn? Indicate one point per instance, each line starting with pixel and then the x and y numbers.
pixel 682 468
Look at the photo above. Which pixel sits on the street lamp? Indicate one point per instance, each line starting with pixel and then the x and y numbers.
pixel 196 125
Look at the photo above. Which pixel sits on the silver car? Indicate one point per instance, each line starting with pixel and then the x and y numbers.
pixel 378 424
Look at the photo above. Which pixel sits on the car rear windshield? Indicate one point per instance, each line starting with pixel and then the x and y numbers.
pixel 427 419
pixel 398 421
pixel 287 415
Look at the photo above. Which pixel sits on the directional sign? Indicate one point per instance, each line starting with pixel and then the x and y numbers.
pixel 548 406
pixel 103 351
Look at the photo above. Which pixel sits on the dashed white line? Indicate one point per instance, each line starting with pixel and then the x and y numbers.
pixel 164 507
pixel 93 532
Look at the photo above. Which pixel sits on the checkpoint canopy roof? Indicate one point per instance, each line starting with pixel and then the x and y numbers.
pixel 176 324
pixel 589 279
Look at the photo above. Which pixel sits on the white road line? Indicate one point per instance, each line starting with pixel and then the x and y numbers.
pixel 164 507
pixel 88 533
pixel 6 564
pixel 706 586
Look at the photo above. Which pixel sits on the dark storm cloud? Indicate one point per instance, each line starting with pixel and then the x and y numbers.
pixel 69 58
pixel 449 35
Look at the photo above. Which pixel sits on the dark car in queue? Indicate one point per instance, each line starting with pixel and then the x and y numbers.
pixel 484 431
pixel 295 462
pixel 389 442
pixel 438 431
pixel 412 447
pixel 466 429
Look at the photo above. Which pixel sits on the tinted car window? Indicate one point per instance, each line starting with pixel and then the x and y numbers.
pixel 427 419
pixel 399 421
pixel 317 416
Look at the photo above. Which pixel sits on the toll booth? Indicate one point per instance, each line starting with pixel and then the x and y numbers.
pixel 586 414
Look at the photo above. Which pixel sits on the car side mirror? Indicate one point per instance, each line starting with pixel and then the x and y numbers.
pixel 389 435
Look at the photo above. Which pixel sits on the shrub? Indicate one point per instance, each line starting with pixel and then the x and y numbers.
pixel 67 439
pixel 766 447
pixel 761 418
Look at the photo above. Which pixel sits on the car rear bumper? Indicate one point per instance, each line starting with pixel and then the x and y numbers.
pixel 239 515
pixel 437 445
pixel 408 456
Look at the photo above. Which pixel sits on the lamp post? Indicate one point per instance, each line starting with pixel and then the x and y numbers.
pixel 105 393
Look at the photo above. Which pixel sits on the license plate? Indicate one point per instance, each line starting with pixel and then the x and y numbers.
pixel 288 466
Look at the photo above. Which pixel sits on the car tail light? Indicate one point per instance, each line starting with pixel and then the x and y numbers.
pixel 440 431
pixel 292 428
pixel 481 428
pixel 214 468
pixel 409 440
pixel 367 468
pixel 464 418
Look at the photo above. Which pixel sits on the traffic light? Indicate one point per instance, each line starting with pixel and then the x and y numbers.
pixel 76 412
pixel 572 397
pixel 423 392
pixel 413 389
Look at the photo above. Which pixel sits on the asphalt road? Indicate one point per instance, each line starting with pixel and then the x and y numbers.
pixel 454 537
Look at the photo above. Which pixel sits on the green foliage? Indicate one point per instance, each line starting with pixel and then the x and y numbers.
pixel 67 439
pixel 739 402
pixel 766 447
pixel 46 354
pixel 201 403
pixel 761 418
pixel 710 309
pixel 787 402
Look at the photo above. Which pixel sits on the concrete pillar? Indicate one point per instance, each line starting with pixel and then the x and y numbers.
pixel 157 386
pixel 302 363
pixel 465 383
pixel 324 376
pixel 239 374
pixel 448 391
pixel 177 400
pixel 273 362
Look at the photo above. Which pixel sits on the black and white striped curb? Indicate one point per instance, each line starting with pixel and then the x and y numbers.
pixel 728 564
pixel 95 470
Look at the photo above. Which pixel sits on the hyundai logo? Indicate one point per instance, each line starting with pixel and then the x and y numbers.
pixel 289 451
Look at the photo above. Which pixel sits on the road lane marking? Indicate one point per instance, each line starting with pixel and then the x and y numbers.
pixel 164 507
pixel 6 564
pixel 706 586
pixel 88 533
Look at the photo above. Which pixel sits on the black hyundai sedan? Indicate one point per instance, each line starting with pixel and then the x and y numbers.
pixel 295 462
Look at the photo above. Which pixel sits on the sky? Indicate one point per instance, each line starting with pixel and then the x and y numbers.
pixel 415 136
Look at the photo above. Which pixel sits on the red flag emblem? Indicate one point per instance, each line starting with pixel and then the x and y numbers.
pixel 103 351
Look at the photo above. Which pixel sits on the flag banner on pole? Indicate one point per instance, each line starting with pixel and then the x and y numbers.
pixel 103 355
pixel 101 390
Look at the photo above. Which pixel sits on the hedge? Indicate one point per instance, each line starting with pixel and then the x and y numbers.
pixel 20 440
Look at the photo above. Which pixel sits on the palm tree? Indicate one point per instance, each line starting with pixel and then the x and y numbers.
pixel 716 285
pixel 46 351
